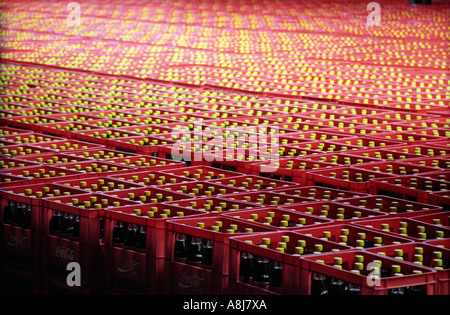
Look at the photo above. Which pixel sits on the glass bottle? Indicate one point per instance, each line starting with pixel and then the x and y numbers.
pixel 246 267
pixel 130 240
pixel 337 286
pixel 207 254
pixel 141 236
pixel 118 234
pixel 56 223
pixel 67 227
pixel 319 283
pixel 276 279
pixel 180 249
pixel 8 212
pixel 262 277
pixel 353 288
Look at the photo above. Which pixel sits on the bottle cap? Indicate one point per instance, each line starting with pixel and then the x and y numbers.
pixel 395 268
pixel 437 254
pixel 337 260
pixel 358 266
pixel 266 240
pixel 318 247
pixel 299 250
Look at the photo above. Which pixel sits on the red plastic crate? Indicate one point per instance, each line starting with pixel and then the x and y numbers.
pixel 98 184
pixel 318 135
pixel 365 283
pixel 395 168
pixel 7 131
pixel 289 169
pixel 333 210
pixel 358 130
pixel 151 178
pixel 31 123
pixel 439 143
pixel 368 141
pixel 346 178
pixel 86 247
pixel 281 250
pixel 21 150
pixel 102 136
pixel 393 206
pixel 383 154
pixel 441 219
pixel 441 199
pixel 266 198
pixel 28 138
pixel 318 193
pixel 238 160
pixel 68 145
pixel 423 255
pixel 329 115
pixel 139 267
pixel 187 276
pixel 140 144
pixel 410 187
pixel 97 168
pixel 405 137
pixel 443 175
pixel 52 158
pixel 399 115
pixel 21 227
pixel 214 205
pixel 11 180
pixel 280 218
pixel 351 234
pixel 141 162
pixel 254 183
pixel 342 159
pixel 8 163
pixel 100 154
pixel 112 123
pixel 441 243
pixel 200 189
pixel 202 172
pixel 146 129
pixel 65 129
pixel 436 132
pixel 434 162
pixel 421 149
pixel 407 228
pixel 326 146
pixel 148 194
pixel 43 173
pixel 370 120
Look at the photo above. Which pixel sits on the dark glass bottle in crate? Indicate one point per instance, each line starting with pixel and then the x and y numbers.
pixel 140 238
pixel 180 248
pixel 261 277
pixel 319 285
pixel 118 234
pixel 246 268
pixel 56 223
pixel 8 212
pixel 130 240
